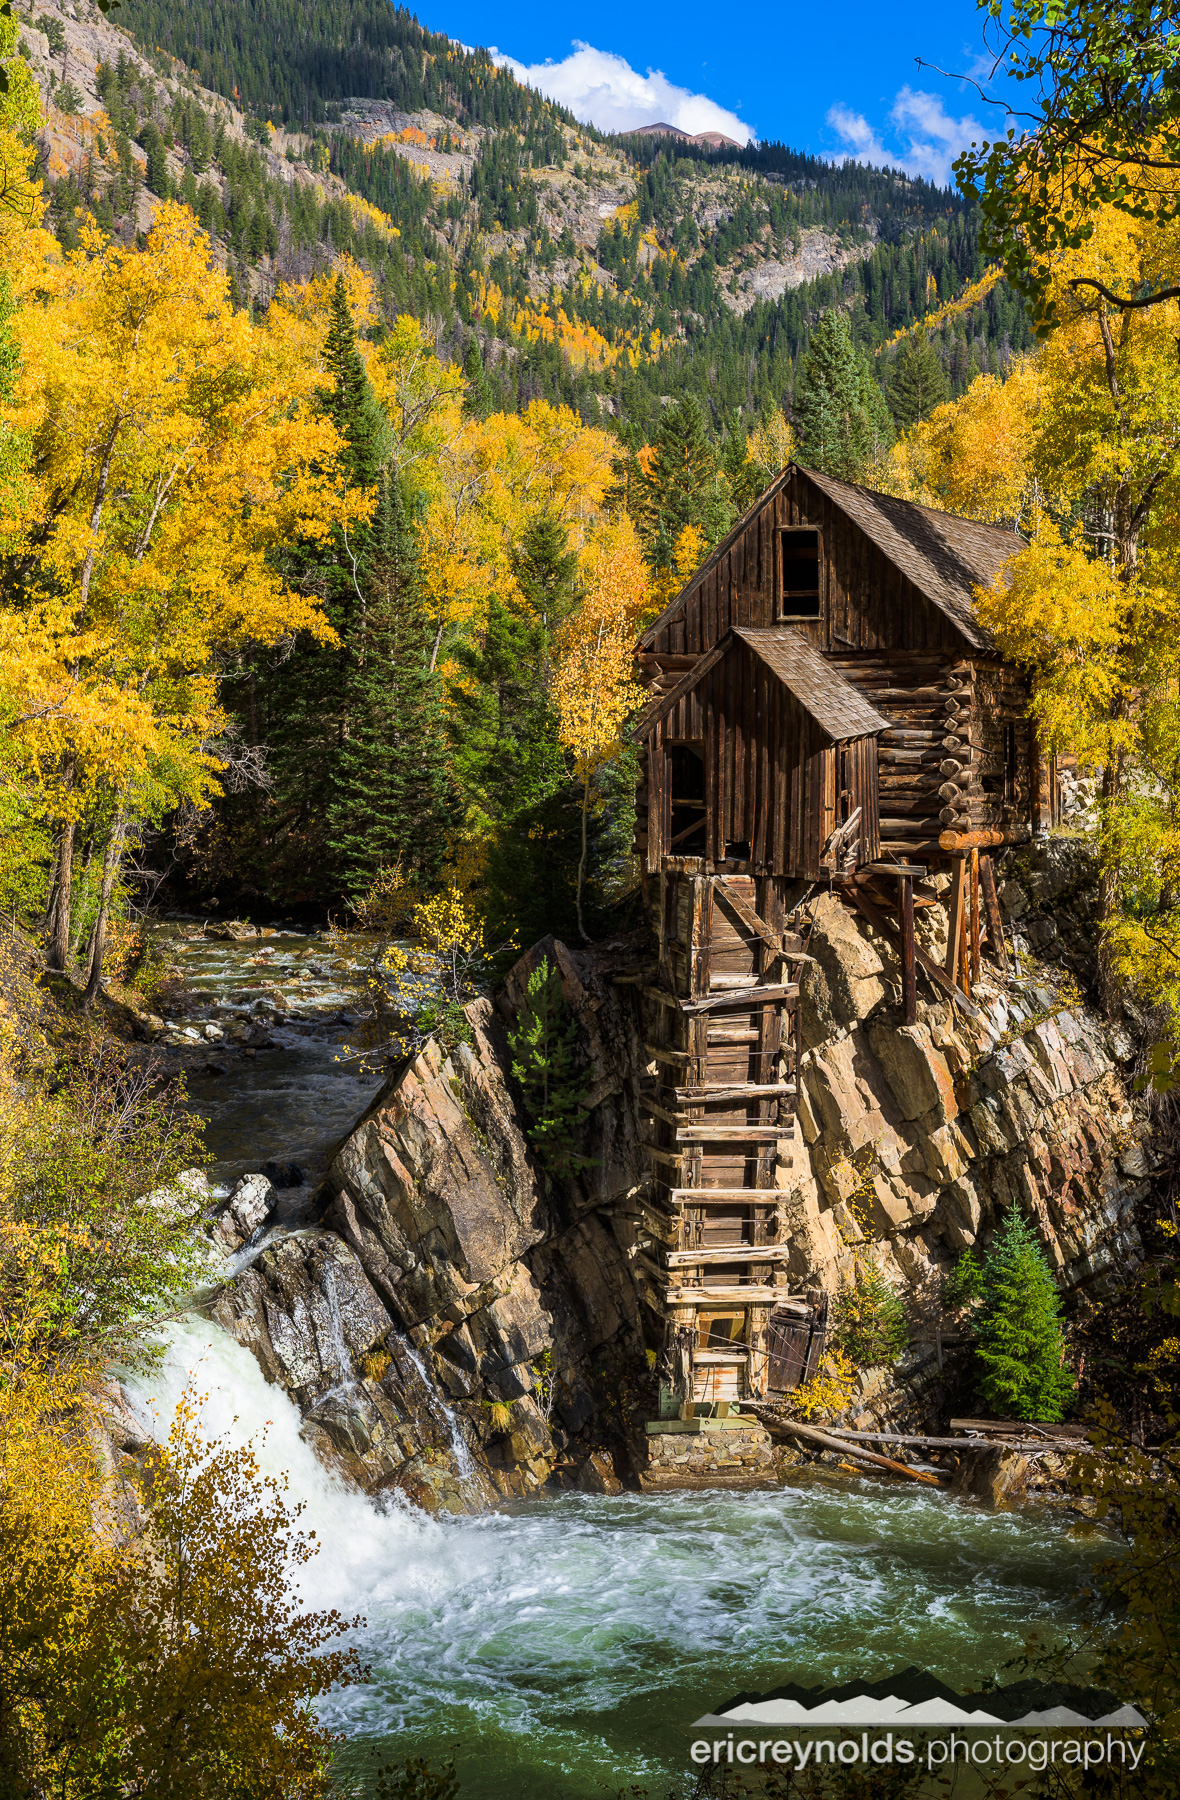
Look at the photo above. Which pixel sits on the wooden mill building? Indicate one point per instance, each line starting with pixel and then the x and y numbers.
pixel 826 708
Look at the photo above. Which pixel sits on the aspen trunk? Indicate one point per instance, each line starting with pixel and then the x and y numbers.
pixel 98 937
pixel 57 950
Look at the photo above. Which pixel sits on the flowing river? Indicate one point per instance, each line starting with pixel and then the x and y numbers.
pixel 559 1647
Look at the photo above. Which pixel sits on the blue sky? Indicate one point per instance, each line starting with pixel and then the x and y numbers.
pixel 836 79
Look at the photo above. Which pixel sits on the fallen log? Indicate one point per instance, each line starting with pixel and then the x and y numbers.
pixel 1054 1446
pixel 774 1422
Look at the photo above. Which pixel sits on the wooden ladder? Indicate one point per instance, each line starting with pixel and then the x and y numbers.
pixel 721 1026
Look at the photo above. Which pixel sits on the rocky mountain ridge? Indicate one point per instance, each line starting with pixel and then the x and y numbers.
pixel 592 270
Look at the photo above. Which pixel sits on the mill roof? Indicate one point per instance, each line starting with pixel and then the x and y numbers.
pixel 945 556
pixel 838 708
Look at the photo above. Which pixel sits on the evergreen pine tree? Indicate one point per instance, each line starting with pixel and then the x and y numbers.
pixel 506 755
pixel 869 1318
pixel 683 485
pixel 544 1052
pixel 391 798
pixel 350 402
pixel 477 401
pixel 1019 1342
pixel 505 728
pixel 743 477
pixel 310 701
pixel 840 416
pixel 546 571
pixel 918 383
pixel 157 161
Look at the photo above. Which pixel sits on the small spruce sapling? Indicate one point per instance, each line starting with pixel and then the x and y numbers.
pixel 870 1319
pixel 1020 1346
pixel 544 1049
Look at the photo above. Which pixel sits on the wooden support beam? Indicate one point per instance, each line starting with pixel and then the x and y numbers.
pixel 991 907
pixel 731 1253
pixel 883 924
pixel 975 915
pixel 903 874
pixel 659 1154
pixel 955 920
pixel 754 996
pixel 732 1134
pixel 909 973
pixel 744 1293
pixel 750 1090
pixel 752 1196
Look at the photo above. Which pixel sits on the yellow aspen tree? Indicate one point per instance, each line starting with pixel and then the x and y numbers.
pixel 174 447
pixel 1091 607
pixel 493 478
pixel 594 686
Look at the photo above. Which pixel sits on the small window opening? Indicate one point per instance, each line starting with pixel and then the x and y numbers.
pixel 800 574
pixel 686 793
pixel 1010 763
pixel 721 1331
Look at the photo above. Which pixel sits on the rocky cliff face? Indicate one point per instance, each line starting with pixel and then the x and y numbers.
pixel 458 1326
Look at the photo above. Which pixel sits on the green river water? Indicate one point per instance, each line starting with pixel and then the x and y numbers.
pixel 561 1647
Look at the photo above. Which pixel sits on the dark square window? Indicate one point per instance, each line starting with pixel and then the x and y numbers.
pixel 800 574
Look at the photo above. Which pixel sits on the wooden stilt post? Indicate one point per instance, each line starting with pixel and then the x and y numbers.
pixel 991 907
pixel 909 973
pixel 954 934
pixel 975 915
pixel 905 875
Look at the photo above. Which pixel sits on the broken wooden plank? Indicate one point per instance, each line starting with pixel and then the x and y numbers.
pixel 954 1443
pixel 753 996
pixel 1042 1427
pixel 745 915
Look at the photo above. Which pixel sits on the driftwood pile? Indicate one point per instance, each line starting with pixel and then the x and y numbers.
pixel 974 1434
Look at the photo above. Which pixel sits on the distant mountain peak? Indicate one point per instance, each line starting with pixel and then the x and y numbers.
pixel 715 139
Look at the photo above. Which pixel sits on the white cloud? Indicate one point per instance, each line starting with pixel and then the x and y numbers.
pixel 925 139
pixel 603 89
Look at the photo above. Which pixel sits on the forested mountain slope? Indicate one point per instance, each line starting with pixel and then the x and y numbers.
pixel 606 273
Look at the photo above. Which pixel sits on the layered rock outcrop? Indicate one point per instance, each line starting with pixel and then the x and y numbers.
pixel 458 1325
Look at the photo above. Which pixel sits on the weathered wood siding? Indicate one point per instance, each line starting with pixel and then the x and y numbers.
pixel 769 770
pixel 866 603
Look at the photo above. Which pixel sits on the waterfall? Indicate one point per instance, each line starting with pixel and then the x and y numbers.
pixel 535 1636
pixel 444 1414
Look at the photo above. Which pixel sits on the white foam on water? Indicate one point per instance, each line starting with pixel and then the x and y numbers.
pixel 545 1617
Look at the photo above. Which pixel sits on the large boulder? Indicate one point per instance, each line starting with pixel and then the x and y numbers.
pixel 846 981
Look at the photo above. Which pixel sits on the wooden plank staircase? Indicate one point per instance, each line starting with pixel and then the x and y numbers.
pixel 721 1026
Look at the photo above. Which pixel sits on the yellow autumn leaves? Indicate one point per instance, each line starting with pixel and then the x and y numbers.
pixel 1080 448
pixel 161 451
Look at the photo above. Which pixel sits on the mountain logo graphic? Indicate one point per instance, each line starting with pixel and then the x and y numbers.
pixel 913 1699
